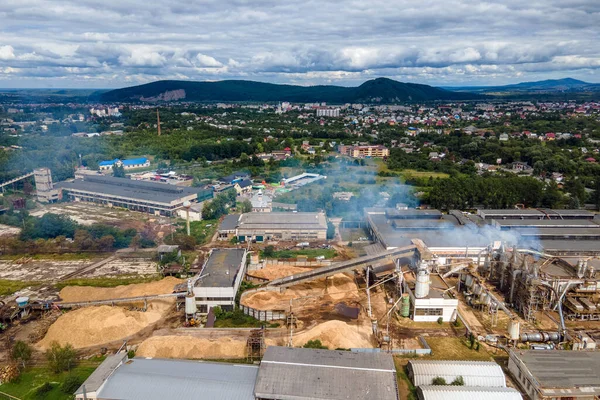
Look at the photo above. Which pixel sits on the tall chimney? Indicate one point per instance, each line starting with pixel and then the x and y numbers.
pixel 158 121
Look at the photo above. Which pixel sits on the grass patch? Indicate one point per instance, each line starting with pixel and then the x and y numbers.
pixel 237 319
pixel 202 231
pixel 33 378
pixel 455 348
pixel 405 386
pixel 8 287
pixel 423 174
pixel 310 253
pixel 108 282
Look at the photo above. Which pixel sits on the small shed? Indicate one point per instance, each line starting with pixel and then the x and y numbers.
pixel 164 249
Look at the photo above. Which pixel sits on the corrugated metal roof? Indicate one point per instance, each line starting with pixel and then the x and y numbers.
pixel 307 374
pixel 127 188
pixel 562 369
pixel 474 373
pixel 156 379
pixel 467 393
pixel 100 374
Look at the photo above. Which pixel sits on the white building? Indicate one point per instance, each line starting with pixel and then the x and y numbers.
pixel 261 202
pixel 430 298
pixel 220 279
pixel 328 112
pixel 195 212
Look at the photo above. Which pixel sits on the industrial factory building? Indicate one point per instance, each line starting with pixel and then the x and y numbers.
pixel 158 379
pixel 284 373
pixel 220 279
pixel 45 190
pixel 562 232
pixel 150 197
pixel 311 374
pixel 549 375
pixel 260 227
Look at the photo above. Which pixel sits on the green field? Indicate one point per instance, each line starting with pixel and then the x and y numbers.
pixel 455 348
pixel 8 287
pixel 423 174
pixel 310 253
pixel 32 378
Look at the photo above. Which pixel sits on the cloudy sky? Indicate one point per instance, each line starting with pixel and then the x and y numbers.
pixel 116 43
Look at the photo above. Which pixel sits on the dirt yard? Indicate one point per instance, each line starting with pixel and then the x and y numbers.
pixel 307 296
pixel 338 334
pixel 190 347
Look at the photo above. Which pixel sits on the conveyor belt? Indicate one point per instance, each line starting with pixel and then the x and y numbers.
pixel 344 266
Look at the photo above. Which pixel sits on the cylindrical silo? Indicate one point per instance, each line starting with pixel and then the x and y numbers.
pixel 514 327
pixel 422 285
pixel 405 306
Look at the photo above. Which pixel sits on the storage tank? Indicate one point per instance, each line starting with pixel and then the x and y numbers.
pixel 469 281
pixel 22 301
pixel 514 326
pixel 484 298
pixel 405 306
pixel 190 299
pixel 422 285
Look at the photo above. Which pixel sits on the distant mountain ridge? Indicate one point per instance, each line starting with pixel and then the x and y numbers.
pixel 380 90
pixel 565 85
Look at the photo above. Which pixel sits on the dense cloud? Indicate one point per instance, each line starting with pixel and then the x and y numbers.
pixel 97 43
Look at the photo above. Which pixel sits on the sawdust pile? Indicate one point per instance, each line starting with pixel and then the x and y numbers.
pixel 86 293
pixel 337 334
pixel 338 287
pixel 93 326
pixel 190 347
pixel 271 272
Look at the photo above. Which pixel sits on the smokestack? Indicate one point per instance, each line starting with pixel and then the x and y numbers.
pixel 158 121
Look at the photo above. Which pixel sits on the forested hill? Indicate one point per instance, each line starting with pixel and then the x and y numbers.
pixel 380 90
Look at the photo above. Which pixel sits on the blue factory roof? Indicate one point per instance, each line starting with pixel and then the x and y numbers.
pixel 130 161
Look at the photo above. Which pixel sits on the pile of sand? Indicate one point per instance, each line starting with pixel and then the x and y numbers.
pixel 278 271
pixel 339 287
pixel 93 326
pixel 337 334
pixel 190 347
pixel 86 293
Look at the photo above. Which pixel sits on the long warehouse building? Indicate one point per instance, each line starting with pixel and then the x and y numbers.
pixel 150 197
pixel 293 226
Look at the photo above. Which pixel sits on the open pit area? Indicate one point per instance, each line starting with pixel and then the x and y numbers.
pixel 89 214
pixel 28 269
pixel 53 268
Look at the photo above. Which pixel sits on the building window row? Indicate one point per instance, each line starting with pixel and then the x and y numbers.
pixel 429 312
